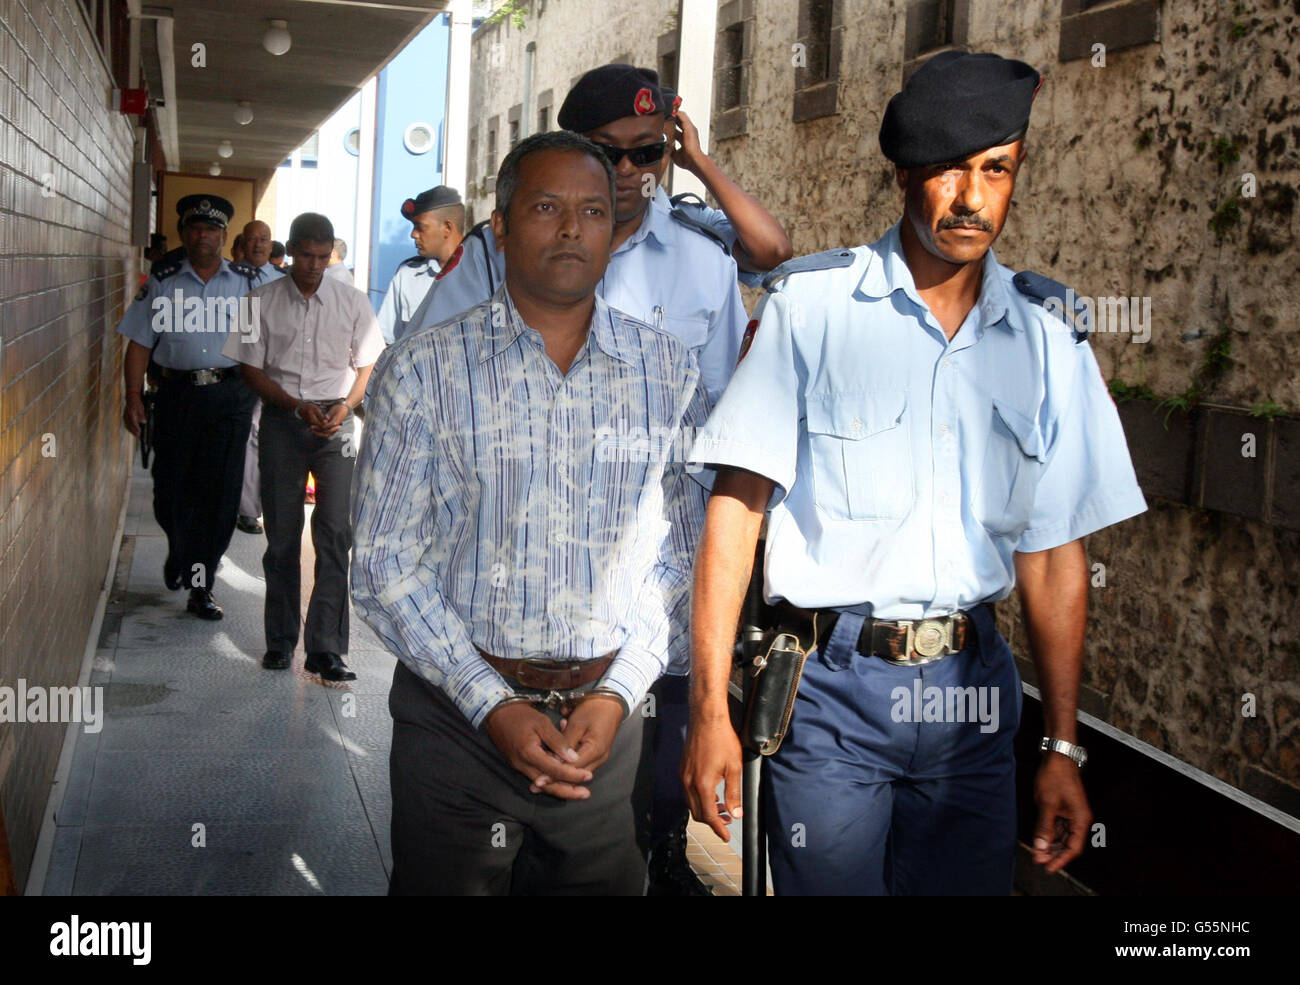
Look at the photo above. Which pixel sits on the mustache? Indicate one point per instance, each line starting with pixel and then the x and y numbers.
pixel 966 222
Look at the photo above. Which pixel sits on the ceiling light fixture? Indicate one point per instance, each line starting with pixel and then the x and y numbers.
pixel 276 40
pixel 214 169
pixel 226 149
pixel 244 113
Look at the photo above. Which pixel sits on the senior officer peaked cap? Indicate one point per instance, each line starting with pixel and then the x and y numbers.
pixel 955 104
pixel 204 208
pixel 610 93
pixel 430 199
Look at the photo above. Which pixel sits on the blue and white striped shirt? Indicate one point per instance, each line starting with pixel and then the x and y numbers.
pixel 501 504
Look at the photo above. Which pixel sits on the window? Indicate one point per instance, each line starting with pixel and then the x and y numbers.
pixel 667 57
pixel 471 170
pixel 492 162
pixel 418 138
pixel 932 26
pixel 816 80
pixel 733 54
pixel 514 120
pixel 733 50
pixel 309 153
pixel 543 119
pixel 1085 23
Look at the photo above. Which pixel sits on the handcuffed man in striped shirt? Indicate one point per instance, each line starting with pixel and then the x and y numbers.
pixel 524 529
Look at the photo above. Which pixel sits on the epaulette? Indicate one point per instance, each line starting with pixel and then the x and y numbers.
pixel 415 261
pixel 166 266
pixel 1055 297
pixel 247 270
pixel 686 210
pixel 827 260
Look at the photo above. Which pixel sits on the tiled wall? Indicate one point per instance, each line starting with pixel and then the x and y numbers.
pixel 65 272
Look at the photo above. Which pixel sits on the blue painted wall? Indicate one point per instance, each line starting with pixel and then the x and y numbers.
pixel 411 89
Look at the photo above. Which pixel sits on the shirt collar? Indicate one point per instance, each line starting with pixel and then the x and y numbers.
pixel 296 294
pixel 657 224
pixel 887 272
pixel 501 332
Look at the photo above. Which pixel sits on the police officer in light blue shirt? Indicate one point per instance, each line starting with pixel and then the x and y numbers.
pixel 177 326
pixel 437 217
pixel 927 434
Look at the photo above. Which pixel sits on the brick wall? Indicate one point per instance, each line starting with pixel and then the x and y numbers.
pixel 65 273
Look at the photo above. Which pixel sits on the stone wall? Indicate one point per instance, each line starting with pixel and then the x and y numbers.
pixel 1134 187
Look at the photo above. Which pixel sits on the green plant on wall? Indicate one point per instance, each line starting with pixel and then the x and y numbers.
pixel 1266 409
pixel 516 11
pixel 1226 215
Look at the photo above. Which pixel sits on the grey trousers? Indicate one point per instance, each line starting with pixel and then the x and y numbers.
pixel 465 824
pixel 287 450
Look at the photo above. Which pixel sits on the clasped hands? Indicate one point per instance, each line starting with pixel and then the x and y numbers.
pixel 322 425
pixel 557 761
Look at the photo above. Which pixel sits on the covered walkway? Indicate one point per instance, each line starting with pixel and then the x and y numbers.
pixel 213 776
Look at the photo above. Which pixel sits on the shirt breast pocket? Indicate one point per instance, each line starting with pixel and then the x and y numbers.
pixel 692 330
pixel 1013 464
pixel 861 454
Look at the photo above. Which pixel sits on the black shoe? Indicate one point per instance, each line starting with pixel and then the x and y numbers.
pixel 330 666
pixel 670 872
pixel 249 524
pixel 171 575
pixel 277 659
pixel 201 604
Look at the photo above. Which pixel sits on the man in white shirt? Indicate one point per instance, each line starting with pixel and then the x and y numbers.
pixel 336 266
pixel 307 349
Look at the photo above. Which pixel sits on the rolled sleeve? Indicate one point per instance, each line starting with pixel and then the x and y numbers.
pixel 387 317
pixel 756 423
pixel 367 339
pixel 248 345
pixel 1088 482
pixel 394 580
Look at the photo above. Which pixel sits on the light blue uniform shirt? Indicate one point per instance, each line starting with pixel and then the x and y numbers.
pixel 405 292
pixel 189 333
pixel 664 274
pixel 268 272
pixel 910 468
pixel 501 504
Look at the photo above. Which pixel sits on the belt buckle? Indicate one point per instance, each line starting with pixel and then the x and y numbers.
pixel 204 377
pixel 524 677
pixel 930 639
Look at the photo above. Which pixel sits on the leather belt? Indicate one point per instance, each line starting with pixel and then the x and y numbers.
pixel 197 377
pixel 903 642
pixel 549 675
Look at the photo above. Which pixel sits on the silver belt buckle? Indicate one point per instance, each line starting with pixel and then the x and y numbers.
pixel 203 377
pixel 930 638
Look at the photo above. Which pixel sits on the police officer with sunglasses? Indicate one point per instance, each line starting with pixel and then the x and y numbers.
pixel 667 268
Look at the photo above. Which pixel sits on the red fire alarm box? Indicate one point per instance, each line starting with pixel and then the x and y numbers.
pixel 133 101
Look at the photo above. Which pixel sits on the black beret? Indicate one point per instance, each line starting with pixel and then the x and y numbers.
pixel 205 208
pixel 672 101
pixel 430 199
pixel 955 104
pixel 610 93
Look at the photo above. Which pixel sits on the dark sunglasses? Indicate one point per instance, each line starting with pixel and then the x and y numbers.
pixel 641 157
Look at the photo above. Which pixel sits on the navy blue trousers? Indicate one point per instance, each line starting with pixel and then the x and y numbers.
pixel 880 789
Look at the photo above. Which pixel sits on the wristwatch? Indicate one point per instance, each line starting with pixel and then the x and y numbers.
pixel 1077 753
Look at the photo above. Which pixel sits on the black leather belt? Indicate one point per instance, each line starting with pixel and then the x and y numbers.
pixel 197 377
pixel 904 642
